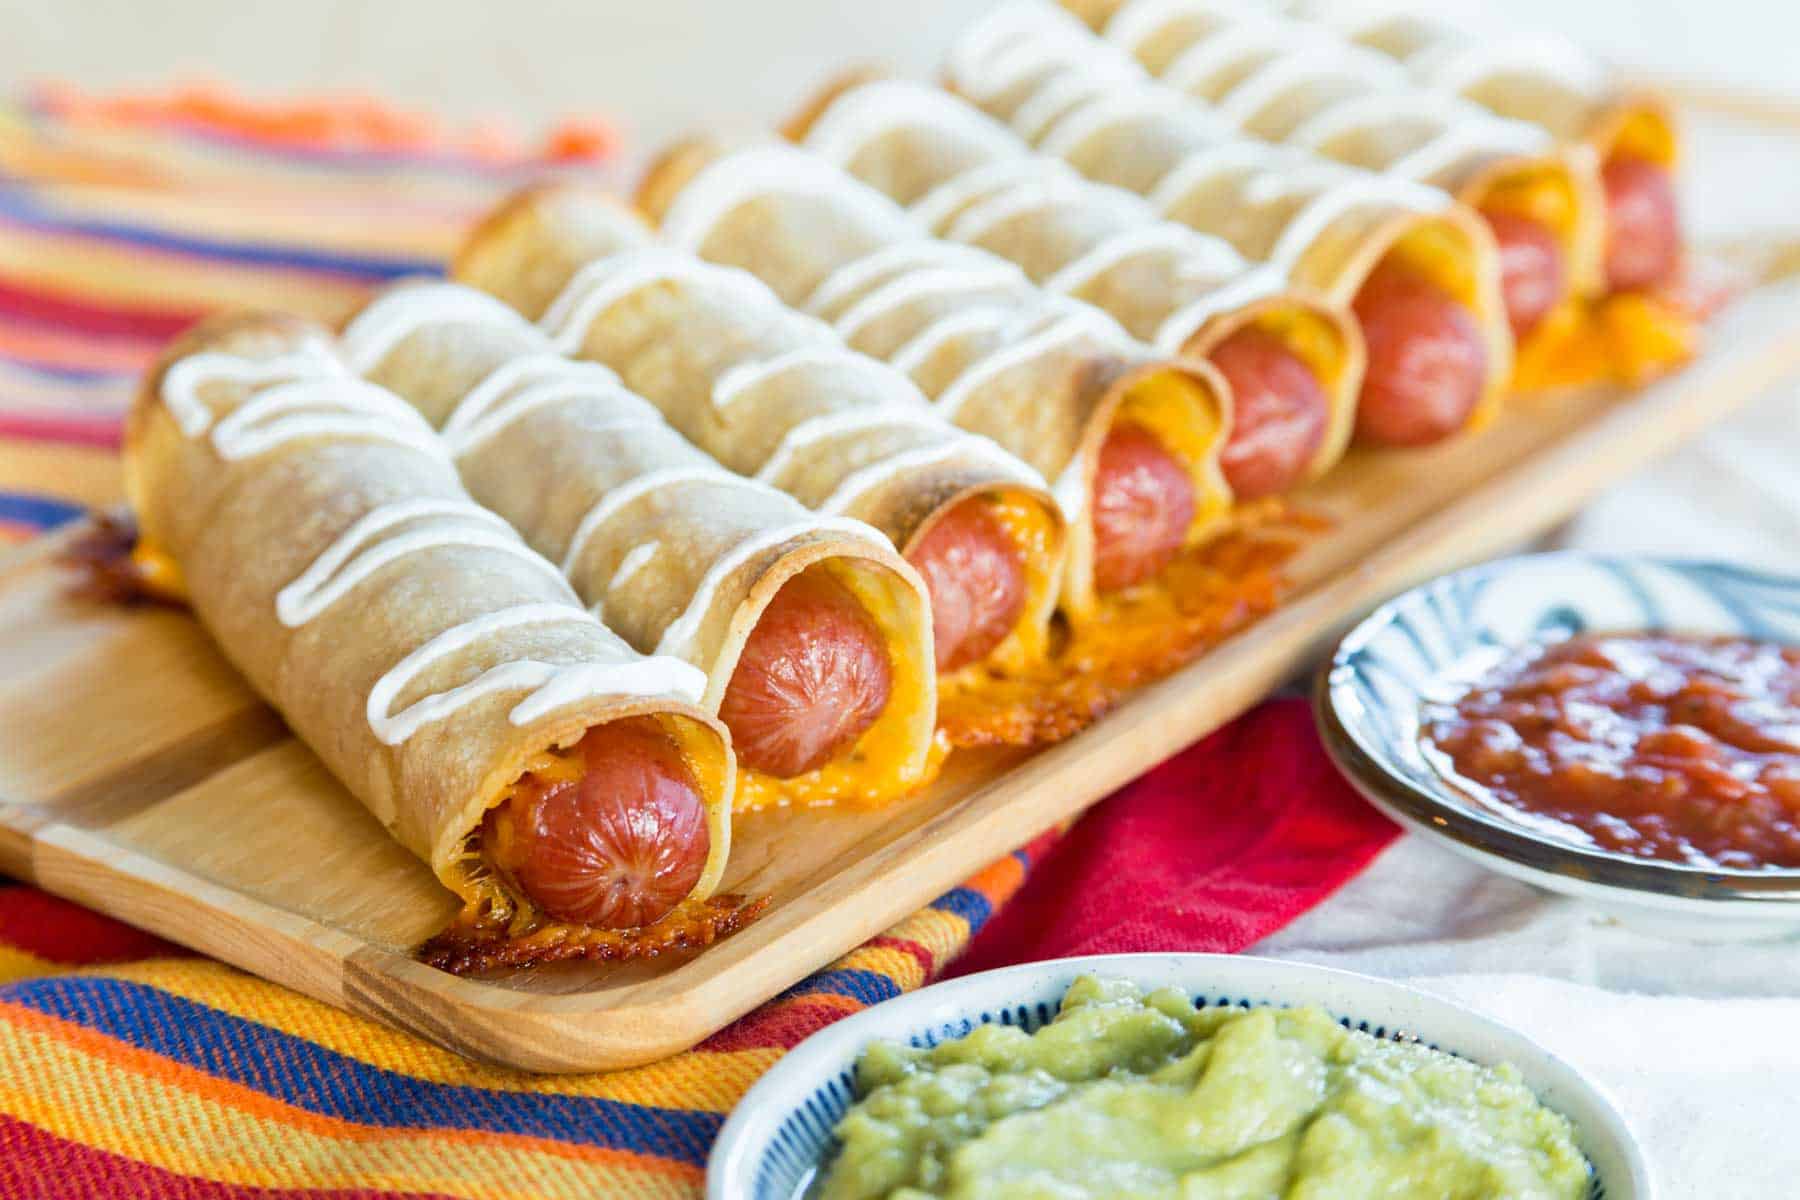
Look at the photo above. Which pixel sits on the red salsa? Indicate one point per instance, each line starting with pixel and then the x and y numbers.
pixel 1653 745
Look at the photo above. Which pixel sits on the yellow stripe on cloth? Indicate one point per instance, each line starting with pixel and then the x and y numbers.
pixel 86 1088
pixel 16 964
pixel 77 474
pixel 132 275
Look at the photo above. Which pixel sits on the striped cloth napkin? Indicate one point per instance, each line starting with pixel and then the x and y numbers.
pixel 131 1068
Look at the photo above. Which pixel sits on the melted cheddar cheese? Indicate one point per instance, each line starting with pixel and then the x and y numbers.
pixel 863 778
pixel 1311 338
pixel 1181 409
pixel 1207 594
pixel 884 764
pixel 987 706
pixel 157 574
pixel 1629 338
pixel 1036 532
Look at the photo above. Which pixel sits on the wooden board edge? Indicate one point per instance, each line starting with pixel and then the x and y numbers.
pixel 561 1033
pixel 1535 495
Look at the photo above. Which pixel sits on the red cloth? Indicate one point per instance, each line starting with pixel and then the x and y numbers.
pixel 1213 850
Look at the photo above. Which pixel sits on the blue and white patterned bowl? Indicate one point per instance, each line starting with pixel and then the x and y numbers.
pixel 780 1133
pixel 1428 643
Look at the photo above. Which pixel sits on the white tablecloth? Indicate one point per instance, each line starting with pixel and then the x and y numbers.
pixel 1711 1085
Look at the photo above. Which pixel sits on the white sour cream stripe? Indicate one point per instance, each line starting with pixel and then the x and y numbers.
pixel 616 500
pixel 1202 258
pixel 553 686
pixel 315 396
pixel 403 310
pixel 526 384
pixel 508 392
pixel 917 350
pixel 360 550
pixel 858 273
pixel 1040 34
pixel 1288 59
pixel 312 398
pixel 604 282
pixel 907 276
pixel 915 286
pixel 858 483
pixel 1182 324
pixel 771 170
pixel 677 639
pixel 835 424
pixel 183 380
pixel 734 180
pixel 545 377
pixel 740 379
pixel 951 197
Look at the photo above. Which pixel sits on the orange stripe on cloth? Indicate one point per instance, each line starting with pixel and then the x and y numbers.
pixel 41 345
pixel 349 124
pixel 88 1088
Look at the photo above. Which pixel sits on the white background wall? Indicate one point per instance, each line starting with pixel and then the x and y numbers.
pixel 663 66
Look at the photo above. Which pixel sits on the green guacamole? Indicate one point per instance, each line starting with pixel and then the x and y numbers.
pixel 1133 1095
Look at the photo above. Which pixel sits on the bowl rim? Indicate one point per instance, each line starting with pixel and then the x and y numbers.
pixel 823 1054
pixel 1771 892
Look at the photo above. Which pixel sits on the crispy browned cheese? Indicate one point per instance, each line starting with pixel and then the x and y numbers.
pixel 110 569
pixel 1205 596
pixel 475 942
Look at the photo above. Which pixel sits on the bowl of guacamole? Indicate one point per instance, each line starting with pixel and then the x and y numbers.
pixel 1172 1077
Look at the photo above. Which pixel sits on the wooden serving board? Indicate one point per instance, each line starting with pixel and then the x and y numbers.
pixel 141 777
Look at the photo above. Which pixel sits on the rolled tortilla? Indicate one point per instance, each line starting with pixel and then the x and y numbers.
pixel 1296 84
pixel 1541 78
pixel 969 180
pixel 1349 234
pixel 677 554
pixel 1550 82
pixel 771 396
pixel 434 662
pixel 709 343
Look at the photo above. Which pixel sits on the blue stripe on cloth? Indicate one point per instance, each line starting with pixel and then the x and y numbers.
pixel 867 987
pixel 36 512
pixel 311 1077
pixel 966 903
pixel 70 374
pixel 20 208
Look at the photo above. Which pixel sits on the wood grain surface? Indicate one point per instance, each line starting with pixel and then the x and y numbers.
pixel 139 775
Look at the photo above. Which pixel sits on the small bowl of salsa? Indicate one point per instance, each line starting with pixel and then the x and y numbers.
pixel 1624 730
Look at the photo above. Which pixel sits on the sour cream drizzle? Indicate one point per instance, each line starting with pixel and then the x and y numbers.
pixel 1353 89
pixel 544 378
pixel 1030 40
pixel 892 400
pixel 314 396
pixel 897 272
pixel 1014 183
pixel 551 685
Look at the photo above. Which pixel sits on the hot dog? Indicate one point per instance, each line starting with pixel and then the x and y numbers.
pixel 619 846
pixel 814 674
pixel 1143 505
pixel 1534 276
pixel 1427 359
pixel 1280 415
pixel 976 576
pixel 1643 228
